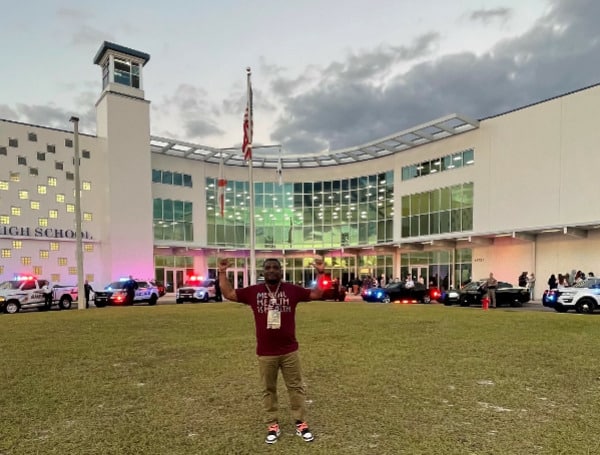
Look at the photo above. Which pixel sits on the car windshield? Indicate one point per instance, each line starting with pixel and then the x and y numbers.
pixel 593 283
pixel 114 285
pixel 14 284
pixel 472 286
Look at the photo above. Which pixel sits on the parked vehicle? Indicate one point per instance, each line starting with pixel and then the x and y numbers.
pixel 583 297
pixel 115 294
pixel 332 289
pixel 506 294
pixel 25 292
pixel 196 289
pixel 451 297
pixel 398 292
pixel 162 290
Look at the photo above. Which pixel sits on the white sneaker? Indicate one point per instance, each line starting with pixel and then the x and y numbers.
pixel 304 432
pixel 273 434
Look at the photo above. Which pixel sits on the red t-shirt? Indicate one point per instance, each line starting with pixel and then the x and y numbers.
pixel 274 341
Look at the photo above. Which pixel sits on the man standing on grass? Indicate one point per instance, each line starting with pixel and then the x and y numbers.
pixel 274 306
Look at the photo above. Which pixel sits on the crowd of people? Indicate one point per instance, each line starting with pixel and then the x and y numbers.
pixel 566 280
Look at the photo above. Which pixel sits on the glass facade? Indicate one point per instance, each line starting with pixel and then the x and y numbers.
pixel 310 215
pixel 173 220
pixel 439 211
pixel 171 178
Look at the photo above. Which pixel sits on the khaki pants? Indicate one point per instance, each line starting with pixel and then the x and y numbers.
pixel 292 375
pixel 492 297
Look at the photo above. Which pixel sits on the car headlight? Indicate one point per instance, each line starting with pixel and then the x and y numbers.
pixel 2 299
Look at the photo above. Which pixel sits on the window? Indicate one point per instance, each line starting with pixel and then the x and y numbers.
pixel 51 148
pixel 85 154
pixel 55 277
pixel 58 165
pixel 4 219
pixel 70 176
pixel 15 177
pixel 26 260
pixel 51 181
pixel 156 176
pixel 187 180
pixel 16 211
pixel 44 254
pixel 43 222
pixel 3 151
pixel 86 186
pixel 127 73
pixel 34 205
pixel 37 270
pixel 87 216
pixel 12 142
pixel 71 208
pixel 69 143
pixel 54 246
pixel 60 197
pixel 17 244
pixel 62 261
pixel 33 171
pixel 3 185
pixel 42 189
pixel 72 270
pixel 41 156
pixel 22 161
pixel 88 247
pixel 6 253
pixel 23 194
pixel 32 137
pixel 53 213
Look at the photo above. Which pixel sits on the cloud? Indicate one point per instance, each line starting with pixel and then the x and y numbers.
pixel 356 100
pixel 196 115
pixel 489 15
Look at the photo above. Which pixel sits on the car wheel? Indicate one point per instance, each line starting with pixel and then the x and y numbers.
pixel 12 307
pixel 99 304
pixel 585 306
pixel 463 303
pixel 65 303
pixel 426 299
pixel 178 301
pixel 206 298
pixel 386 299
pixel 153 300
pixel 516 303
pixel 560 308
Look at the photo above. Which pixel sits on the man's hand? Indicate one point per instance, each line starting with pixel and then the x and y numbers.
pixel 319 266
pixel 223 265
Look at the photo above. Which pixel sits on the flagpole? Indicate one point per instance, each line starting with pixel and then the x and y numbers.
pixel 250 113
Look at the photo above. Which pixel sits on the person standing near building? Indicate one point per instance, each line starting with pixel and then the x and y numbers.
pixel 87 288
pixel 273 303
pixel 491 284
pixel 531 285
pixel 47 291
pixel 130 286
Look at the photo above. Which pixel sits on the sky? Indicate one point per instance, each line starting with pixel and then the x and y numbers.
pixel 326 74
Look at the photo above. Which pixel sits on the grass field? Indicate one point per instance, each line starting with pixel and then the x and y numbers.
pixel 381 379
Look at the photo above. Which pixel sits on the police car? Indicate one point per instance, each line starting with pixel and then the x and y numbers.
pixel 115 293
pixel 197 289
pixel 25 291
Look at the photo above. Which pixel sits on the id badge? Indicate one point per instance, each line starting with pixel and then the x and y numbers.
pixel 273 319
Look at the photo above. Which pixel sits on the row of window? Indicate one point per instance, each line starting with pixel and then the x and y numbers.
pixel 41 189
pixel 52 214
pixel 50 148
pixel 441 164
pixel 6 253
pixel 171 178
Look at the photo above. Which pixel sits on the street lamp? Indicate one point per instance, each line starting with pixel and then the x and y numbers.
pixel 78 234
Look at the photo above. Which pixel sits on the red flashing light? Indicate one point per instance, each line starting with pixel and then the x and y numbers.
pixel 196 278
pixel 24 278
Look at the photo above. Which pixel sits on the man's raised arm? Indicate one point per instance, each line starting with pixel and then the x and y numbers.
pixel 317 293
pixel 227 290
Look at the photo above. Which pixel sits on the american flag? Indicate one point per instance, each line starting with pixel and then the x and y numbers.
pixel 248 125
pixel 221 187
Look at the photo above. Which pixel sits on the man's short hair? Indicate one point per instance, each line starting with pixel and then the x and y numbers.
pixel 272 260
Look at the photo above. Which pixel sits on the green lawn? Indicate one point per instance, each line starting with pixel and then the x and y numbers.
pixel 381 379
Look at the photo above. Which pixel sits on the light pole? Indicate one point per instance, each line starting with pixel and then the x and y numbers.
pixel 78 234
